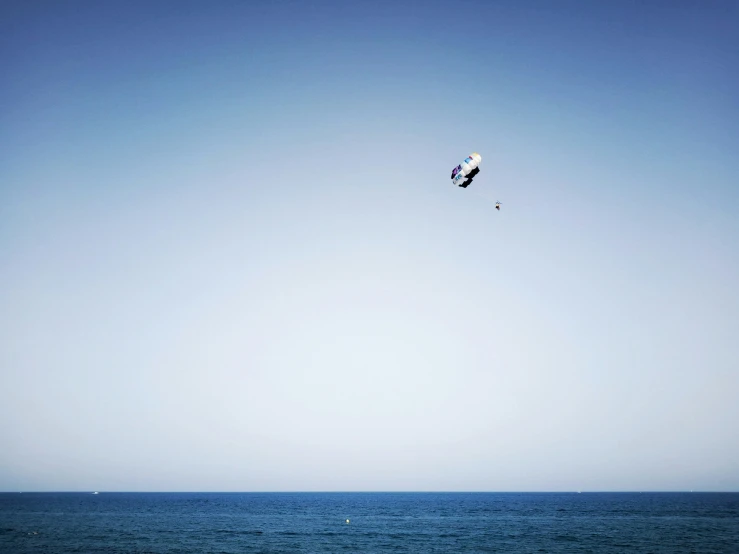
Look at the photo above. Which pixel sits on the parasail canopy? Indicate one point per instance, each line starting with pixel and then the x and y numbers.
pixel 467 169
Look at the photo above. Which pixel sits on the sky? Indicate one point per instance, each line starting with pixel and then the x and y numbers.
pixel 232 258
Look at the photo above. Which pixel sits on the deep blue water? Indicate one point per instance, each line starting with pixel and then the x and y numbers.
pixel 379 522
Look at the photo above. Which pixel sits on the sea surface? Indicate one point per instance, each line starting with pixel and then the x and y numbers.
pixel 378 522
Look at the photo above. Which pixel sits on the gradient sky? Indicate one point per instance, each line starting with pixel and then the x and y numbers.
pixel 233 258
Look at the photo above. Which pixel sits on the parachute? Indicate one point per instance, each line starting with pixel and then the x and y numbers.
pixel 468 168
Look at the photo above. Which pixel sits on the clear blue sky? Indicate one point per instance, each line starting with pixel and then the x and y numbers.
pixel 232 257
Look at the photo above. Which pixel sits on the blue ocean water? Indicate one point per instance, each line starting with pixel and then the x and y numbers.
pixel 379 522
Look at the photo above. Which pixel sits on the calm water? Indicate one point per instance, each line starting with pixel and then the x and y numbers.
pixel 379 522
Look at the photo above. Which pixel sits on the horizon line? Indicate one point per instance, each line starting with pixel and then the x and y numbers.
pixel 634 491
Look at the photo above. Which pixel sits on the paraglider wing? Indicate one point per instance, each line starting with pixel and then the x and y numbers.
pixel 468 168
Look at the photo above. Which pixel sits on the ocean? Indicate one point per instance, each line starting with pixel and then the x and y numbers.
pixel 378 522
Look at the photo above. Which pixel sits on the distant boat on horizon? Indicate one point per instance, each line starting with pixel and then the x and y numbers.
pixel 96 492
